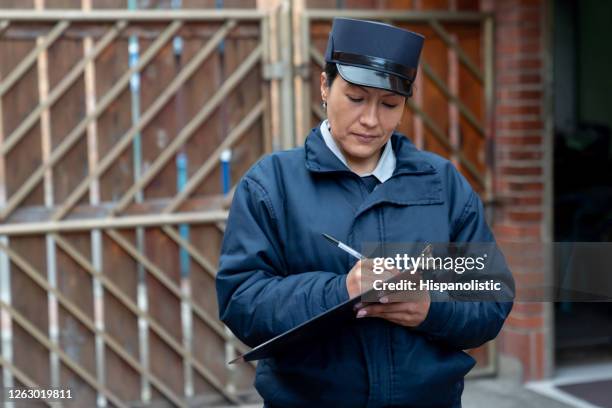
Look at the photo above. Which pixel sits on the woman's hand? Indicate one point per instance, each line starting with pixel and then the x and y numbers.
pixel 353 279
pixel 393 306
pixel 360 278
pixel 409 314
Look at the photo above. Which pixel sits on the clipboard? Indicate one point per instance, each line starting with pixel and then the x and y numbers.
pixel 341 313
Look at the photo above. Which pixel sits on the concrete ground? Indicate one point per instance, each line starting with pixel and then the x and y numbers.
pixel 505 391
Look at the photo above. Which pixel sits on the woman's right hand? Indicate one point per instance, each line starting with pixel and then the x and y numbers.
pixel 360 277
pixel 353 280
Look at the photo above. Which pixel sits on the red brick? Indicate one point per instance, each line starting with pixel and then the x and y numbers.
pixel 532 292
pixel 533 186
pixel 516 47
pixel 480 354
pixel 519 155
pixel 518 110
pixel 526 140
pixel 527 279
pixel 530 3
pixel 487 5
pixel 516 76
pixel 512 22
pixel 504 160
pixel 518 230
pixel 505 5
pixel 524 178
pixel 539 357
pixel 519 15
pixel 522 265
pixel 512 148
pixel 509 170
pixel 520 56
pixel 523 239
pixel 425 5
pixel 516 239
pixel 525 216
pixel 471 5
pixel 517 345
pixel 508 65
pixel 528 347
pixel 518 133
pixel 517 118
pixel 504 93
pixel 516 193
pixel 515 189
pixel 525 322
pixel 522 102
pixel 519 137
pixel 527 252
pixel 505 32
pixel 521 201
pixel 526 308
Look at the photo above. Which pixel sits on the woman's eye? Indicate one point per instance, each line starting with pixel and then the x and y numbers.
pixel 388 105
pixel 354 99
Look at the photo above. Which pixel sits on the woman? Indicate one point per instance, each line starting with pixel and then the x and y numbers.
pixel 359 181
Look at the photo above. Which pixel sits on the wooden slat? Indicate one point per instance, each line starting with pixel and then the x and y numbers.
pixel 31 58
pixel 94 198
pixel 213 160
pixel 76 312
pixel 44 340
pixel 29 228
pixel 172 287
pixel 4 25
pixel 443 139
pixel 465 111
pixel 150 16
pixel 163 279
pixel 22 377
pixel 463 57
pixel 126 139
pixel 76 134
pixel 118 293
pixel 194 123
pixel 59 90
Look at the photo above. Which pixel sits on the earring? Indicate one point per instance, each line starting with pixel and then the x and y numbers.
pixel 324 105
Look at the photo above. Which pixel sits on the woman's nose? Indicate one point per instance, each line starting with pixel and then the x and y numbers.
pixel 369 117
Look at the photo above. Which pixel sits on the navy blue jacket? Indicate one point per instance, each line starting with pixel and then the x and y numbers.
pixel 276 271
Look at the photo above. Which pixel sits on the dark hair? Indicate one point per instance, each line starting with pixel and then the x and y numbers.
pixel 331 72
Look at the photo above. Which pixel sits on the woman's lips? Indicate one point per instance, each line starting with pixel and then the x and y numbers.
pixel 364 137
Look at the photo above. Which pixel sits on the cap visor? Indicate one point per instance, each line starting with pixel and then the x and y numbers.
pixel 376 79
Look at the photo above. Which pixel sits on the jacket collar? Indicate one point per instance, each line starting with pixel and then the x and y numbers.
pixel 386 163
pixel 425 186
pixel 320 159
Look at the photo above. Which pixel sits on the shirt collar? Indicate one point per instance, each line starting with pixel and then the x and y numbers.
pixel 386 164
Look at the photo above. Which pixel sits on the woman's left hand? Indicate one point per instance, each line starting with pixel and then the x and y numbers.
pixel 409 314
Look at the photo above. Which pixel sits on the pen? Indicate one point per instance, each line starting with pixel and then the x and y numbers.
pixel 344 247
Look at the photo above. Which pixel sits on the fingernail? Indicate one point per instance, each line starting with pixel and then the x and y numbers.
pixel 358 305
pixel 384 299
pixel 362 313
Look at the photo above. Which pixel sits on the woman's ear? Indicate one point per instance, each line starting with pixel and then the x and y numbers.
pixel 324 88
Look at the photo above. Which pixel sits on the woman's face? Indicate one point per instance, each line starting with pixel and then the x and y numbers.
pixel 362 119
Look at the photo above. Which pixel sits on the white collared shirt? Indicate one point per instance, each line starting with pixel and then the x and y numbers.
pixel 386 164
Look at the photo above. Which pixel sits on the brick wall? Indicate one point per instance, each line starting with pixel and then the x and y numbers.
pixel 520 169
